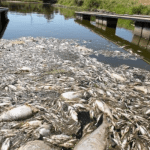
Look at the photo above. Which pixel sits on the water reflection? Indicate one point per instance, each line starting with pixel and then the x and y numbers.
pixel 25 8
pixel 142 42
pixel 138 45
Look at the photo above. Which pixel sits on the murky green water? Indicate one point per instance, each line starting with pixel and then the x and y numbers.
pixel 46 21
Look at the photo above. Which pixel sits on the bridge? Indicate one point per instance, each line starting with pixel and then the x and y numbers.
pixel 142 22
pixel 137 43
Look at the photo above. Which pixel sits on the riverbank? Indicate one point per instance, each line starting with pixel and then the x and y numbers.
pixel 67 11
pixel 64 93
pixel 120 7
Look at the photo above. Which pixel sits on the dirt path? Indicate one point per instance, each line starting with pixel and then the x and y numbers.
pixel 144 2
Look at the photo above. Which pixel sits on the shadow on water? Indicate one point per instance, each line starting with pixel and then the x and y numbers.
pixel 138 45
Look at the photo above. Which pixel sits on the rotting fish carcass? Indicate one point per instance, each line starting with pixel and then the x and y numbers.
pixel 18 113
pixel 97 140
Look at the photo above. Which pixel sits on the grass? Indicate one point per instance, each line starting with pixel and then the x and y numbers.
pixel 116 6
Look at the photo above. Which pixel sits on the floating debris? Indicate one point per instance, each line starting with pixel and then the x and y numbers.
pixel 118 54
pixel 6 144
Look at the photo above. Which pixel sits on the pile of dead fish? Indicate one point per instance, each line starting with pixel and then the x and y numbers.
pixel 53 96
pixel 118 54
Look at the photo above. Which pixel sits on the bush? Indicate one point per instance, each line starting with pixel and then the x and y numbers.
pixel 79 2
pixel 146 11
pixel 92 3
pixel 138 9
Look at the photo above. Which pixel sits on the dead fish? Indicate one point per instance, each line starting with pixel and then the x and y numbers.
pixel 44 130
pixel 12 87
pixel 61 137
pixel 73 113
pixel 141 88
pixel 21 112
pixel 97 140
pixel 116 76
pixel 79 106
pixel 34 123
pixel 69 144
pixel 92 113
pixel 4 104
pixel 20 88
pixel 104 108
pixel 100 91
pixel 71 95
pixel 124 142
pixel 142 130
pixel 37 145
pixel 25 69
pixel 6 144
pixel 124 131
pixel 147 112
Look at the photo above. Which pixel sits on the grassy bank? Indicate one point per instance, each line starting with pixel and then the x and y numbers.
pixel 69 13
pixel 116 6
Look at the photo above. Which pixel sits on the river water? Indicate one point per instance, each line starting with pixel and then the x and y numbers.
pixel 46 21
